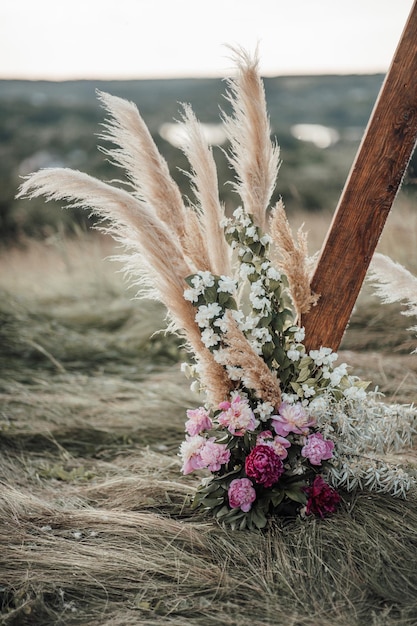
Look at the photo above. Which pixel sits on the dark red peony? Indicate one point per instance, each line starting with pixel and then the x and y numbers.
pixel 322 499
pixel 263 465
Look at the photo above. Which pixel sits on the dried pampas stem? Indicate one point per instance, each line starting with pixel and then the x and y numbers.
pixel 293 259
pixel 256 373
pixel 394 283
pixel 155 261
pixel 253 156
pixel 146 168
pixel 203 177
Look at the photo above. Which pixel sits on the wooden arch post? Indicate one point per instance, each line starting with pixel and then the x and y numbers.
pixel 366 200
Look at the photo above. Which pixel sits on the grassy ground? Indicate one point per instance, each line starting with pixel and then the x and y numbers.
pixel 95 519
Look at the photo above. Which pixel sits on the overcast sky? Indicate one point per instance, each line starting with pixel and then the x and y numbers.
pixel 62 39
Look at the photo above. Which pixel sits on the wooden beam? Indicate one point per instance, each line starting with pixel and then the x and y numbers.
pixel 366 200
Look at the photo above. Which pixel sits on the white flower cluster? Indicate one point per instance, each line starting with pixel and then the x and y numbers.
pixel 206 292
pixel 258 273
pixel 200 282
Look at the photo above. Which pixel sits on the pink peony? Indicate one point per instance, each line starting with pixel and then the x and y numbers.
pixel 241 494
pixel 198 420
pixel 237 416
pixel 278 444
pixel 291 418
pixel 263 465
pixel 317 449
pixel 322 499
pixel 190 452
pixel 214 455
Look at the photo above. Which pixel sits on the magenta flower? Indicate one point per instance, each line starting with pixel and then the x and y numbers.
pixel 263 465
pixel 190 452
pixel 198 420
pixel 237 416
pixel 317 449
pixel 322 499
pixel 291 418
pixel 277 443
pixel 241 494
pixel 214 455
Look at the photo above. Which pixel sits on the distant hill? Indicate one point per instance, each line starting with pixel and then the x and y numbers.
pixel 330 100
pixel 56 123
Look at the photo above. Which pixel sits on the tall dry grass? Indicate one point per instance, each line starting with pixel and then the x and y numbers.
pixel 95 519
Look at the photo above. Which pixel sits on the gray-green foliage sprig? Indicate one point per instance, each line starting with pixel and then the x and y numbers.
pixel 369 433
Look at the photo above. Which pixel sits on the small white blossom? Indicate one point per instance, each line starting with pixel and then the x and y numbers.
pixel 262 304
pixel 265 239
pixel 251 232
pixel 240 215
pixel 238 316
pixel 258 288
pixel 195 386
pixel 256 346
pixel 234 372
pixel 290 397
pixel 189 371
pixel 249 323
pixel 245 270
pixel 273 274
pixel 308 391
pixel 204 279
pixel 293 354
pixel 262 334
pixel 227 285
pixel 318 405
pixel 300 334
pixel 355 393
pixel 264 410
pixel 221 323
pixel 205 313
pixel 209 338
pixel 324 356
pixel 192 294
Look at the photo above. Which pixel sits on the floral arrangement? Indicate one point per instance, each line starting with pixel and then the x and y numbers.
pixel 279 430
pixel 263 445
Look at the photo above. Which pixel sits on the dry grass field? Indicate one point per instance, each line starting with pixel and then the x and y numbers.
pixel 95 520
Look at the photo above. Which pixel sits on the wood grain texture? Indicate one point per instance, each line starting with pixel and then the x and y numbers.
pixel 367 197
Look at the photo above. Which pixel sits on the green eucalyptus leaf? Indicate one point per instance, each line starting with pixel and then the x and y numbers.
pixel 188 280
pixel 296 494
pixel 212 502
pixel 247 257
pixel 276 500
pixel 210 294
pixel 258 517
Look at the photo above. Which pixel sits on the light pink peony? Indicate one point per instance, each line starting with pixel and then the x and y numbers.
pixel 291 418
pixel 190 452
pixel 198 420
pixel 264 466
pixel 317 449
pixel 237 416
pixel 241 494
pixel 214 455
pixel 277 443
